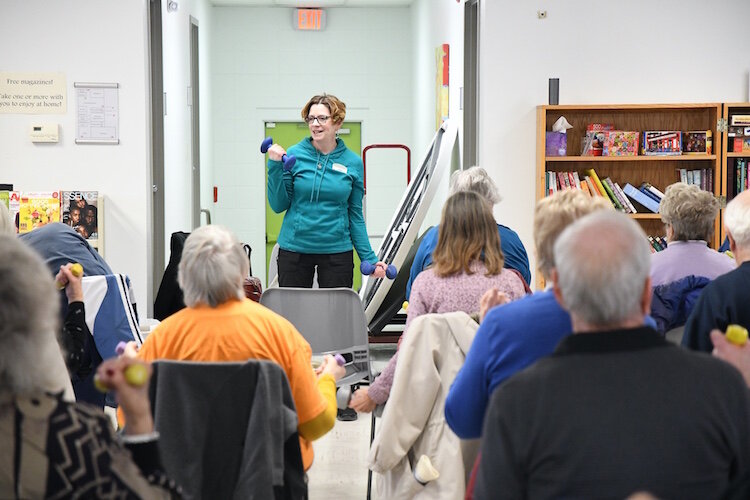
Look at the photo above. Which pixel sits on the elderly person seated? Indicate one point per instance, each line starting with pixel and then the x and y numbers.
pixel 680 272
pixel 468 263
pixel 477 180
pixel 726 300
pixel 688 213
pixel 610 413
pixel 50 448
pixel 515 335
pixel 221 324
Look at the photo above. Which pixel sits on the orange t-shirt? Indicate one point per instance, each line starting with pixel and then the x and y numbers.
pixel 237 331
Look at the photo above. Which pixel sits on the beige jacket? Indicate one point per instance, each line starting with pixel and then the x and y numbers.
pixel 413 421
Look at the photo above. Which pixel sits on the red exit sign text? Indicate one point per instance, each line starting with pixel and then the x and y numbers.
pixel 310 19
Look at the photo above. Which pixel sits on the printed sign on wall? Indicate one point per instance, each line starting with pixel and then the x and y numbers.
pixel 32 93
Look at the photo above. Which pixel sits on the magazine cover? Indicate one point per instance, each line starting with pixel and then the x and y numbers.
pixel 37 209
pixel 80 210
pixel 12 200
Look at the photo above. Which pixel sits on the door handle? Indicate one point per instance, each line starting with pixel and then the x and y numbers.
pixel 208 215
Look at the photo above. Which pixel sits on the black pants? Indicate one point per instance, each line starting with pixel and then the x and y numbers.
pixel 298 269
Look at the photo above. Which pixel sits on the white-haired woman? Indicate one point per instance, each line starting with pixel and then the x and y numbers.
pixel 49 447
pixel 688 213
pixel 219 324
pixel 474 179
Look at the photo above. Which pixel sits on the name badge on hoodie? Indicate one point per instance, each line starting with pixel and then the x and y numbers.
pixel 339 167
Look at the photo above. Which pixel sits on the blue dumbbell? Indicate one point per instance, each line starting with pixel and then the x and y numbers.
pixel 368 268
pixel 288 160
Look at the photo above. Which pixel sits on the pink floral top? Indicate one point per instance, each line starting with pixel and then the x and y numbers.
pixel 433 294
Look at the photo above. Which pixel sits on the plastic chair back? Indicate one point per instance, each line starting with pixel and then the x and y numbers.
pixel 332 320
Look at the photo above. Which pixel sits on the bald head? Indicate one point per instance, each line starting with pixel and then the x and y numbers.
pixel 737 224
pixel 602 264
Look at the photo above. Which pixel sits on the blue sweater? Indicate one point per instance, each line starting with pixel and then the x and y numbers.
pixel 510 338
pixel 510 243
pixel 322 195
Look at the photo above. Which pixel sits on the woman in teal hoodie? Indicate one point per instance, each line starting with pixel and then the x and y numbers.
pixel 322 195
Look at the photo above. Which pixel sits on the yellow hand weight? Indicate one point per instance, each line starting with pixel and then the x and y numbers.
pixel 135 375
pixel 736 334
pixel 76 270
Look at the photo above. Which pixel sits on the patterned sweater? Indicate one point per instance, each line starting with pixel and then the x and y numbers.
pixel 433 294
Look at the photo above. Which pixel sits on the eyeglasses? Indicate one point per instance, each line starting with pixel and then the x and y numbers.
pixel 321 119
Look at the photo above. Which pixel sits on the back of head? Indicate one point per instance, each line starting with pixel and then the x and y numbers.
pixel 28 319
pixel 212 268
pixel 553 214
pixel 737 219
pixel 690 211
pixel 477 180
pixel 603 262
pixel 6 225
pixel 467 233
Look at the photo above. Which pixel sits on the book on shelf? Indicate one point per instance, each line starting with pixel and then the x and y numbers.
pixel 622 196
pixel 648 193
pixel 80 210
pixel 740 120
pixel 651 188
pixel 610 187
pixel 641 198
pixel 597 182
pixel 683 175
pixel 585 188
pixel 655 244
pixel 574 180
pixel 593 188
pixel 37 209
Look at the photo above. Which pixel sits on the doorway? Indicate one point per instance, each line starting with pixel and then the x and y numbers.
pixel 195 135
pixel 470 92
pixel 287 134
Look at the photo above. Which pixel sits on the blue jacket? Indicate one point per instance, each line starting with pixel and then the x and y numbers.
pixel 322 195
pixel 511 337
pixel 672 303
pixel 510 243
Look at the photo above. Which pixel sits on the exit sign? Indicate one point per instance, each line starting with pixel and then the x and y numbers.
pixel 309 19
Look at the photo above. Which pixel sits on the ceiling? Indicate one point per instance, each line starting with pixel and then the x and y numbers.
pixel 311 3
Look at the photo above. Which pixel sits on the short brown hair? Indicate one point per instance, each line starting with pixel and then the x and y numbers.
pixel 333 103
pixel 468 232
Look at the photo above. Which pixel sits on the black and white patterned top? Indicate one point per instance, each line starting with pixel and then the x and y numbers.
pixel 53 449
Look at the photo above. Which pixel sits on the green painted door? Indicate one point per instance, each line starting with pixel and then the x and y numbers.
pixel 288 134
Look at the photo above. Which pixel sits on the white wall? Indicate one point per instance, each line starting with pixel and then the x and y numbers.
pixel 177 122
pixel 609 52
pixel 435 23
pixel 263 70
pixel 88 41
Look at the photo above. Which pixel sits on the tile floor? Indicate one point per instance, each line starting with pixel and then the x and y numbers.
pixel 340 468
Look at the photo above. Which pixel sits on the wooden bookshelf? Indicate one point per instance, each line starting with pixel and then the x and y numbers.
pixel 659 171
pixel 728 156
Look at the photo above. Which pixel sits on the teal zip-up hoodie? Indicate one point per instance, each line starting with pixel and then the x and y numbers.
pixel 322 195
